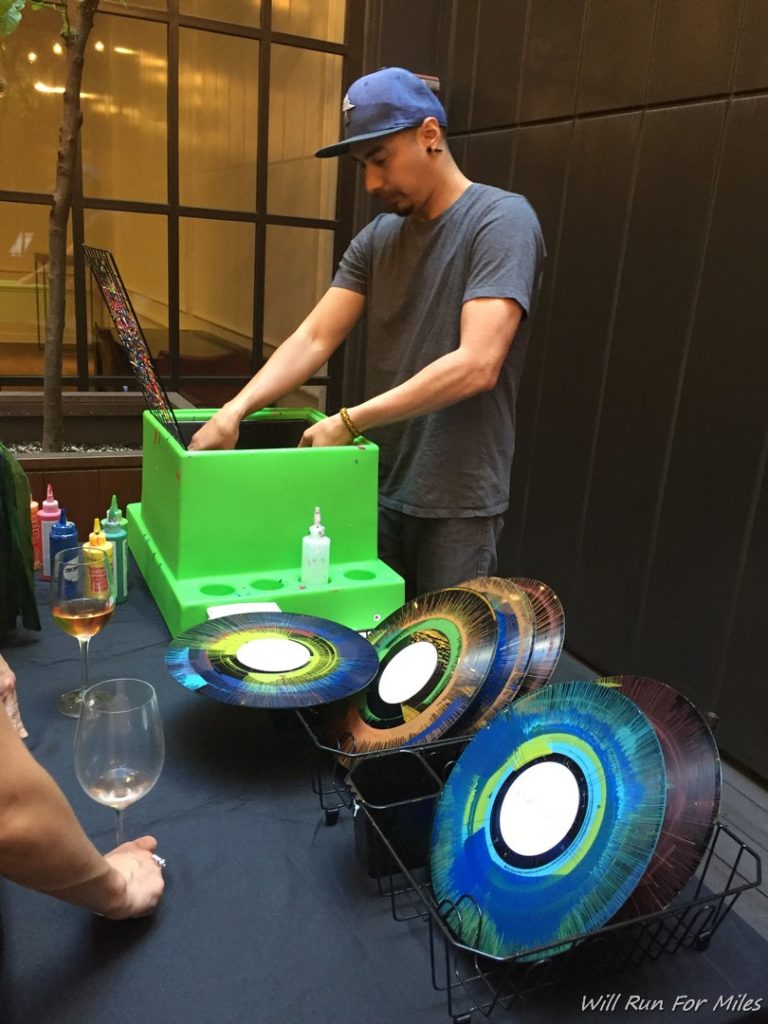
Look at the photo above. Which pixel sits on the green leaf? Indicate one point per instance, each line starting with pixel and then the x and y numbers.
pixel 10 15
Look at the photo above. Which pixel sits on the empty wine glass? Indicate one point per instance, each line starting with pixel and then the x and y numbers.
pixel 82 602
pixel 119 744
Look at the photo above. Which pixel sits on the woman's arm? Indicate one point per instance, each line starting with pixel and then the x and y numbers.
pixel 43 847
pixel 9 698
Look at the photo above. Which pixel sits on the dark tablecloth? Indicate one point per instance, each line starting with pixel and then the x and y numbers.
pixel 268 916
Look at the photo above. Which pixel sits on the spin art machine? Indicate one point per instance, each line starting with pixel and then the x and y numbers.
pixel 225 527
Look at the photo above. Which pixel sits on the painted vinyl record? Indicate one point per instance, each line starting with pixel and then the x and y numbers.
pixel 548 819
pixel 434 654
pixel 515 624
pixel 693 790
pixel 271 660
pixel 550 632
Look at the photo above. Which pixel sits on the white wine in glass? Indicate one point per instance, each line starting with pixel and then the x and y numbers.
pixel 82 602
pixel 119 744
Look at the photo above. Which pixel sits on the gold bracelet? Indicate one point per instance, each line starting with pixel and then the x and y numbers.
pixel 349 424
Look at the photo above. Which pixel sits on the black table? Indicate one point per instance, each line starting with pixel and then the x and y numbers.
pixel 268 916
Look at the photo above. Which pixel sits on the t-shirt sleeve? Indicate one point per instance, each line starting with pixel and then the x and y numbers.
pixel 506 255
pixel 354 270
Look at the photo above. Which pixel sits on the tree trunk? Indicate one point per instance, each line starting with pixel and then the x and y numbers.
pixel 69 133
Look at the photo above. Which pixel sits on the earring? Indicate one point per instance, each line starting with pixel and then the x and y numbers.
pixel 434 149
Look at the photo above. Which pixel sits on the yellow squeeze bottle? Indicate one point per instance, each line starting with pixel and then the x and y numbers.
pixel 98 582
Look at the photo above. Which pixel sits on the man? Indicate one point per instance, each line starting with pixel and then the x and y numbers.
pixel 446 281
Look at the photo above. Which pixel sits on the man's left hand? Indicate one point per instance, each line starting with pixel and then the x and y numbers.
pixel 328 433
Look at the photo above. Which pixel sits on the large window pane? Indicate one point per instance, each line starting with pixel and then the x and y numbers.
pixel 24 291
pixel 216 280
pixel 299 266
pixel 216 305
pixel 124 109
pixel 218 96
pixel 237 12
pixel 126 159
pixel 305 100
pixel 139 244
pixel 318 19
pixel 31 103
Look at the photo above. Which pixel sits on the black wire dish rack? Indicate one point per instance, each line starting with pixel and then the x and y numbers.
pixel 393 795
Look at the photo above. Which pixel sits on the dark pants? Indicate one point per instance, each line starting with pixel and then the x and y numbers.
pixel 431 554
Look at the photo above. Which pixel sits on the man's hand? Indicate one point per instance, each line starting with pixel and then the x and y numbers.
pixel 328 433
pixel 9 698
pixel 220 432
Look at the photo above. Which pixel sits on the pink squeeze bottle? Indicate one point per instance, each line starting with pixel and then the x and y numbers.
pixel 48 514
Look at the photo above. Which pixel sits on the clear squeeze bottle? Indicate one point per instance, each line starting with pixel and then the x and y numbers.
pixel 315 554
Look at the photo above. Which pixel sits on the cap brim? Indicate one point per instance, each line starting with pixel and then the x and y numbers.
pixel 343 147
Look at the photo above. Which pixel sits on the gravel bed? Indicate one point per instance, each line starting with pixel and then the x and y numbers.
pixel 30 447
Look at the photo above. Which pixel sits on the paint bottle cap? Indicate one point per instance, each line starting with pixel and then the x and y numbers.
pixel 50 504
pixel 317 529
pixel 96 538
pixel 117 513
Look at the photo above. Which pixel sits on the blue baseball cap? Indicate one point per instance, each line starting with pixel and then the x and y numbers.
pixel 387 101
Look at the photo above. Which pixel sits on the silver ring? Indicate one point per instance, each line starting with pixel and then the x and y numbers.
pixel 160 861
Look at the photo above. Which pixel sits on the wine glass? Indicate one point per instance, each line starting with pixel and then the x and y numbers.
pixel 119 744
pixel 82 602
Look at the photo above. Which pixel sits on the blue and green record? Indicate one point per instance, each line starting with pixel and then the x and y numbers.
pixel 272 660
pixel 548 820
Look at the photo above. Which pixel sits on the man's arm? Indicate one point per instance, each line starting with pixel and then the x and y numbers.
pixel 42 845
pixel 488 327
pixel 298 358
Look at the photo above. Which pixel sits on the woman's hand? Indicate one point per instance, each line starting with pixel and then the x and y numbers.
pixel 9 698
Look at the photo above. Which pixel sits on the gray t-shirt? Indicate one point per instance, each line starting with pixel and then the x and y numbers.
pixel 416 276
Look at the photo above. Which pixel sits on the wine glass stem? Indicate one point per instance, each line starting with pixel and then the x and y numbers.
pixel 120 826
pixel 83 642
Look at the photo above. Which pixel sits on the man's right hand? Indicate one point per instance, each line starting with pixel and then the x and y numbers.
pixel 220 432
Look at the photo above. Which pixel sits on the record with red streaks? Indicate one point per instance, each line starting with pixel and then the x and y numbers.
pixel 693 796
pixel 434 655
pixel 549 632
pixel 516 627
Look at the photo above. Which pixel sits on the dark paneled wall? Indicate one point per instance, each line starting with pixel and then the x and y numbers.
pixel 639 130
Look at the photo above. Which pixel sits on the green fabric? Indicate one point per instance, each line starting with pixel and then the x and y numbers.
pixel 17 585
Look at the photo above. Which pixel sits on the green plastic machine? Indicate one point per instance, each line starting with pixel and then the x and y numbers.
pixel 226 527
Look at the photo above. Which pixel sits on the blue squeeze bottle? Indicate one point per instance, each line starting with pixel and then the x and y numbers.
pixel 63 535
